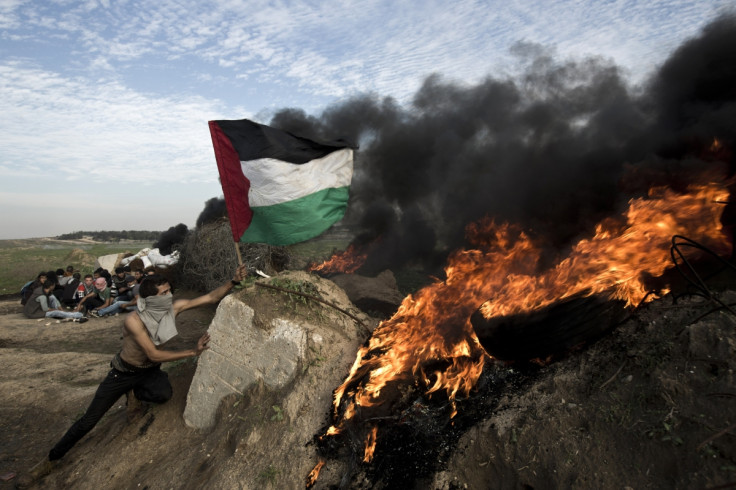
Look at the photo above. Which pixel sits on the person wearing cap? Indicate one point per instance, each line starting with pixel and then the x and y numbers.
pixel 121 304
pixel 99 298
pixel 136 368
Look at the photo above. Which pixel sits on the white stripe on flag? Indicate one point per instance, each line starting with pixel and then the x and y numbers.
pixel 275 182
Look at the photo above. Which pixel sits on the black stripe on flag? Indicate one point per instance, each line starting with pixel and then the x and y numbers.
pixel 253 141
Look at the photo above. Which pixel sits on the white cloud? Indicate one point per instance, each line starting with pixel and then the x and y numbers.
pixel 398 43
pixel 8 17
pixel 101 131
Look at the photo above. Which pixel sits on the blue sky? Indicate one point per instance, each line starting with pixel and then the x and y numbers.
pixel 105 103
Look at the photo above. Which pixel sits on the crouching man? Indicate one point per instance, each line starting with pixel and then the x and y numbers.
pixel 38 305
pixel 137 366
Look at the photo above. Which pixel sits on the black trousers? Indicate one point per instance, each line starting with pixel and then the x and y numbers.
pixel 92 303
pixel 150 385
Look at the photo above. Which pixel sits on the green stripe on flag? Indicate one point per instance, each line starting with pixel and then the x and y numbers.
pixel 298 220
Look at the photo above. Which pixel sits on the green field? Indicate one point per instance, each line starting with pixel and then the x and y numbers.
pixel 22 260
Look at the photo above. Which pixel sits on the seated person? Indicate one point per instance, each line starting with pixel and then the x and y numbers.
pixel 55 296
pixel 122 304
pixel 53 277
pixel 106 274
pixel 27 290
pixel 37 305
pixel 120 287
pixel 99 298
pixel 69 296
pixel 138 274
pixel 66 276
pixel 85 287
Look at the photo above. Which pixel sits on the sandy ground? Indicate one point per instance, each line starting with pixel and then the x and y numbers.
pixel 49 371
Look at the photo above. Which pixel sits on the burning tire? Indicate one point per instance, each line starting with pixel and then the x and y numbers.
pixel 550 331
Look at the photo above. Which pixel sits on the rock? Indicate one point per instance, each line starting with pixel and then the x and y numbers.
pixel 262 336
pixel 108 262
pixel 371 294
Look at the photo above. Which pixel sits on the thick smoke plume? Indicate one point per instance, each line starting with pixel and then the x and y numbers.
pixel 214 209
pixel 555 150
pixel 171 239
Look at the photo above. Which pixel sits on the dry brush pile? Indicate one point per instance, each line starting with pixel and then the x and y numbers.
pixel 208 257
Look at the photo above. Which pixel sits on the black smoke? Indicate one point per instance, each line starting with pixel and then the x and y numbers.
pixel 555 149
pixel 170 239
pixel 214 209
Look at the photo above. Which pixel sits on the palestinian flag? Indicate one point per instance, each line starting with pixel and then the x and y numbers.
pixel 280 188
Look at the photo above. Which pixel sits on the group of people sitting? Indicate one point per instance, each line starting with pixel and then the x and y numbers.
pixel 66 295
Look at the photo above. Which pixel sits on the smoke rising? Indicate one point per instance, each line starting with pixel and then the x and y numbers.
pixel 555 150
pixel 170 238
pixel 214 209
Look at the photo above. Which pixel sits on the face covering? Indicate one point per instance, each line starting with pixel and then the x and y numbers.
pixel 157 314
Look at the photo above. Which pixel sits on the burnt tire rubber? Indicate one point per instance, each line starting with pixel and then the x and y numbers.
pixel 550 331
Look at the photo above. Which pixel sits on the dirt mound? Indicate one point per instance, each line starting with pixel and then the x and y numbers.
pixel 80 258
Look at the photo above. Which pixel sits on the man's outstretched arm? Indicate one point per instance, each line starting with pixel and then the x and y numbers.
pixel 213 296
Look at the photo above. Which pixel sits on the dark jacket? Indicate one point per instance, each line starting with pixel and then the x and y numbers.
pixel 70 288
pixel 118 285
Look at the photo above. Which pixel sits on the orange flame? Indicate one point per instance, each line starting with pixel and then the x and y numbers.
pixel 615 259
pixel 314 474
pixel 430 339
pixel 370 445
pixel 346 262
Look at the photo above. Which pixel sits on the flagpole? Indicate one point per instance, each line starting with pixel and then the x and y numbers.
pixel 237 251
